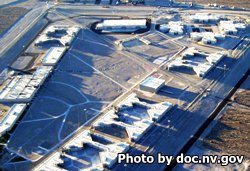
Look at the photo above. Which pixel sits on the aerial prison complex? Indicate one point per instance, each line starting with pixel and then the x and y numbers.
pixel 120 115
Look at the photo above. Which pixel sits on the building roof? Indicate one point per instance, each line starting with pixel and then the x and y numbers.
pixel 200 68
pixel 53 55
pixel 107 154
pixel 230 26
pixel 10 119
pixel 204 17
pixel 125 22
pixel 153 82
pixel 23 87
pixel 66 39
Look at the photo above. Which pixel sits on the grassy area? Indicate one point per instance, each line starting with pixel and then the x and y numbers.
pixel 232 132
pixel 9 15
pixel 231 3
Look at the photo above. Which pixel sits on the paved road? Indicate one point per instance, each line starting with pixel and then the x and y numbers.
pixel 13 42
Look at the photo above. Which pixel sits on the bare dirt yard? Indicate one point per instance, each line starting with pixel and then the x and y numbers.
pixel 232 132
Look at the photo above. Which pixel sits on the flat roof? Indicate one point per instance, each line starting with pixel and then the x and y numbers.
pixel 22 62
pixel 153 82
pixel 53 55
pixel 125 22
pixel 10 119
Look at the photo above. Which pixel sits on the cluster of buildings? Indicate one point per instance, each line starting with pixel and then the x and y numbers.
pixel 121 25
pixel 98 151
pixel 21 89
pixel 194 60
pixel 97 148
pixel 173 28
pixel 135 124
pixel 62 35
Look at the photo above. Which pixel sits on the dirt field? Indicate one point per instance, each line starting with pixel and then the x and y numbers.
pixel 9 15
pixel 232 132
pixel 231 3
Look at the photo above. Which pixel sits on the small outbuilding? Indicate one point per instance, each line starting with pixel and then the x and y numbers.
pixel 152 84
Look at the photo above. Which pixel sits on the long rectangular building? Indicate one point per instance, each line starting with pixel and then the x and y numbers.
pixel 12 116
pixel 123 25
pixel 53 55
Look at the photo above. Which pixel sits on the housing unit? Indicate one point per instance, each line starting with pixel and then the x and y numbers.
pixel 204 17
pixel 230 27
pixel 62 35
pixel 200 66
pixel 173 28
pixel 207 37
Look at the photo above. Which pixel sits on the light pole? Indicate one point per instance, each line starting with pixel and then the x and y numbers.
pixel 168 126
pixel 125 165
pixel 225 67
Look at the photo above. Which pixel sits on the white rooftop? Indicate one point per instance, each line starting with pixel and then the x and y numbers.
pixel 64 40
pixel 53 55
pixel 204 17
pixel 231 26
pixel 108 153
pixel 140 122
pixel 22 88
pixel 200 68
pixel 174 27
pixel 152 82
pixel 12 116
pixel 125 22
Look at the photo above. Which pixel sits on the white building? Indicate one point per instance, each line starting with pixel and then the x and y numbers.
pixel 108 152
pixel 140 122
pixel 229 27
pixel 201 68
pixel 204 17
pixel 11 118
pixel 152 84
pixel 207 37
pixel 123 25
pixel 53 55
pixel 173 28
pixel 22 88
pixel 60 34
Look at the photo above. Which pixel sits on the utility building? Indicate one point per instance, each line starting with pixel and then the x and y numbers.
pixel 152 84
